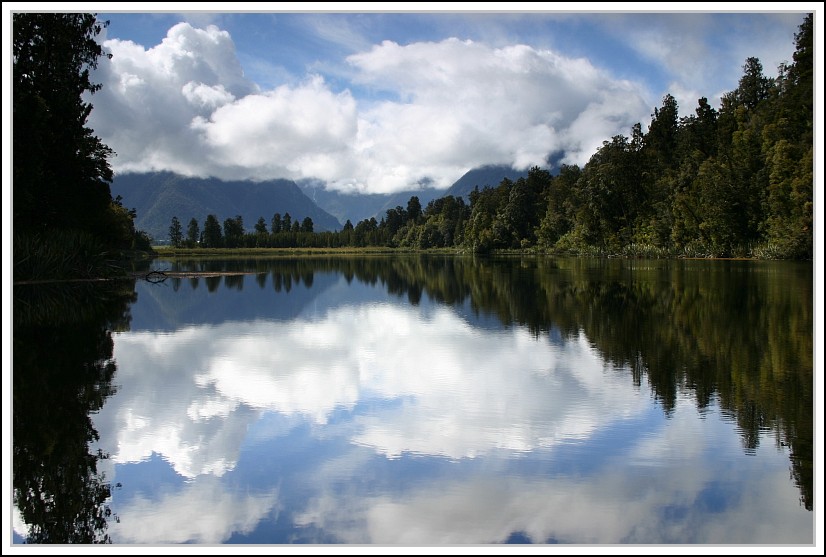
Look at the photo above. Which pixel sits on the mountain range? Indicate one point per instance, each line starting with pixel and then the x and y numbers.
pixel 157 197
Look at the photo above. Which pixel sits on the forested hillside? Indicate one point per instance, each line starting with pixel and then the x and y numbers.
pixel 732 181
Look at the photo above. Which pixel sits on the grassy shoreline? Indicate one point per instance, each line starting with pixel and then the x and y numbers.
pixel 171 252
pixel 167 251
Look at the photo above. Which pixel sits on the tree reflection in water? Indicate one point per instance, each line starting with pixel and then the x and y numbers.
pixel 737 334
pixel 63 370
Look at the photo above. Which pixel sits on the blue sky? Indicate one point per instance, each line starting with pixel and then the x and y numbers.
pixel 380 101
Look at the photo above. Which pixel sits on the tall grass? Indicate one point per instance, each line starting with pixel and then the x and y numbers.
pixel 59 255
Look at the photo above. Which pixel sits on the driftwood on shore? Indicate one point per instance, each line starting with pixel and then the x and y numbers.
pixel 160 276
pixel 150 276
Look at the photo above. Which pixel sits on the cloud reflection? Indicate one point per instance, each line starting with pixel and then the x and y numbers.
pixel 462 392
pixel 680 501
pixel 392 381
pixel 203 512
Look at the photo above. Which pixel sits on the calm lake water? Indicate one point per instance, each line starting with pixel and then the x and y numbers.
pixel 419 400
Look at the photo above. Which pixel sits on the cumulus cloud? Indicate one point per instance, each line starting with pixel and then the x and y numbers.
pixel 463 104
pixel 150 97
pixel 184 105
pixel 290 131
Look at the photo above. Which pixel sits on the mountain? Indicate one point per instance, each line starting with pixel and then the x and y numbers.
pixel 357 207
pixel 488 175
pixel 360 206
pixel 157 197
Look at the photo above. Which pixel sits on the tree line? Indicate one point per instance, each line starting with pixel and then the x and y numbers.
pixel 733 181
pixel 284 232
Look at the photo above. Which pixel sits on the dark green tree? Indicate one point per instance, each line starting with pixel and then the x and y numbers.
pixel 754 87
pixel 193 232
pixel 275 225
pixel 414 209
pixel 394 220
pixel 660 143
pixel 261 226
pixel 612 187
pixel 659 160
pixel 61 170
pixel 233 231
pixel 175 232
pixel 212 233
pixel 788 148
pixel 560 214
pixel 307 225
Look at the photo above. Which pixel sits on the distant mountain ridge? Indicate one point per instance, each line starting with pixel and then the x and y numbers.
pixel 360 206
pixel 488 175
pixel 159 196
pixel 357 207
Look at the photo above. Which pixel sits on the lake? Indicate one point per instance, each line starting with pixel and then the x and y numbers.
pixel 418 400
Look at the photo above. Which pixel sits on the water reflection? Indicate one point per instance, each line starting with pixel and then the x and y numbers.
pixel 430 400
pixel 435 386
pixel 63 372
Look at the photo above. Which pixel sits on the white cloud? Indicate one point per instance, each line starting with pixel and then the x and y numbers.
pixel 150 97
pixel 185 106
pixel 304 130
pixel 202 95
pixel 703 53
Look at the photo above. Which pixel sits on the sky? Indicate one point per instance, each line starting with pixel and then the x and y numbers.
pixel 379 102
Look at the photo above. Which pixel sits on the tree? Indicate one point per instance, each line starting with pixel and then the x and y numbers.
pixel 261 226
pixel 560 213
pixel 175 232
pixel 61 170
pixel 286 222
pixel 414 209
pixel 661 139
pixel 275 226
pixel 193 232
pixel 307 225
pixel 233 231
pixel 212 233
pixel 754 87
pixel 787 145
